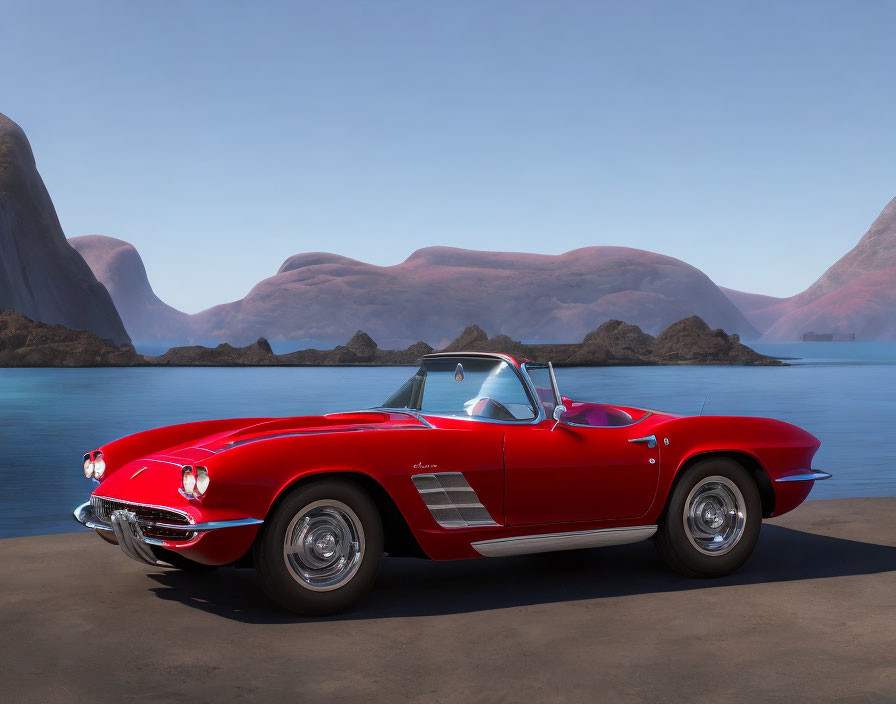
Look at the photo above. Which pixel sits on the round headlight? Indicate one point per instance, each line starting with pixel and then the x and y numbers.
pixel 201 480
pixel 99 466
pixel 189 480
pixel 88 467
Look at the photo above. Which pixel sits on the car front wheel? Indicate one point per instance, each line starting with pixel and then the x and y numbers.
pixel 320 549
pixel 712 521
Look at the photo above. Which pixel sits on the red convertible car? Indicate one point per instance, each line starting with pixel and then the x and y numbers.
pixel 476 455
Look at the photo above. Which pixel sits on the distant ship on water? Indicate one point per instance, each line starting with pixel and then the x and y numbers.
pixel 829 336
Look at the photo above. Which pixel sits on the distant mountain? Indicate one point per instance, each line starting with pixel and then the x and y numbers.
pixel 41 276
pixel 534 297
pixel 118 265
pixel 755 306
pixel 856 295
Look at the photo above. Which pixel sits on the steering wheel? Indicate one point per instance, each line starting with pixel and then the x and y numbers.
pixel 489 408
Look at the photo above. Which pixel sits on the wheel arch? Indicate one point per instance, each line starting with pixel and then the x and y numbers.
pixel 399 540
pixel 748 461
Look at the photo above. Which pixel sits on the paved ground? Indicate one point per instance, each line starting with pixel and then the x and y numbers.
pixel 811 617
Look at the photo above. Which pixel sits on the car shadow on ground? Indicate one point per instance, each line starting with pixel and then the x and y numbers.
pixel 410 587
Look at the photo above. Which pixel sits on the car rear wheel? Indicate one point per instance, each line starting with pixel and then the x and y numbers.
pixel 712 520
pixel 320 549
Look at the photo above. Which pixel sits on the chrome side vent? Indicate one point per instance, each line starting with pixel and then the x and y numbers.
pixel 451 500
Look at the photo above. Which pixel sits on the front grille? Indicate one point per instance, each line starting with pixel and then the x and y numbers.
pixel 171 534
pixel 103 508
pixel 147 516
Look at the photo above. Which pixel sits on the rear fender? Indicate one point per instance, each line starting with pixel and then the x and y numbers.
pixel 767 448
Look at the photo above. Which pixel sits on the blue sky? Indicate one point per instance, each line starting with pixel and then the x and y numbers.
pixel 754 140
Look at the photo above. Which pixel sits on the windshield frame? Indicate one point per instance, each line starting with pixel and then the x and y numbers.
pixel 555 389
pixel 524 379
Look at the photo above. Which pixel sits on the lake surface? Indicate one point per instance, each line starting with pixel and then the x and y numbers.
pixel 841 392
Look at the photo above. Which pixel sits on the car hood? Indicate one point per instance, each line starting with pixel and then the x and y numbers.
pixel 256 430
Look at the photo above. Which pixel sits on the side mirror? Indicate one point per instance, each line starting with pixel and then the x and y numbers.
pixel 559 412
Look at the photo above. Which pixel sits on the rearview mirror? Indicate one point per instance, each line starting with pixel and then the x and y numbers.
pixel 559 412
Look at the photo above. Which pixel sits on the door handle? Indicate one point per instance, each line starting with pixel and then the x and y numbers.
pixel 649 439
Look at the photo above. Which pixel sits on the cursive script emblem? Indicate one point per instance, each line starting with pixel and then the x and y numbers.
pixel 137 472
pixel 420 465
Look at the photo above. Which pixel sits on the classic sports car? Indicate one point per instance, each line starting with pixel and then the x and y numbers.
pixel 476 455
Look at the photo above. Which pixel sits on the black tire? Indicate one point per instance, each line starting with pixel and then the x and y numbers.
pixel 179 561
pixel 320 502
pixel 690 551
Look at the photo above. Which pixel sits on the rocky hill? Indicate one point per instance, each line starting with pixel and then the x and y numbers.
pixel 615 343
pixel 118 265
pixel 41 276
pixel 28 343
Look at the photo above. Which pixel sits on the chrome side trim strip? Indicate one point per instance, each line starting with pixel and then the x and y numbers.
pixel 451 500
pixel 809 476
pixel 214 525
pixel 550 542
pixel 404 411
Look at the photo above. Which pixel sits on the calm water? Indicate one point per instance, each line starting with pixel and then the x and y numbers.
pixel 841 392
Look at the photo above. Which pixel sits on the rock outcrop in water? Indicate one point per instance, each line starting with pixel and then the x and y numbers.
pixel 615 343
pixel 258 354
pixel 24 342
pixel 41 276
pixel 361 350
pixel 28 343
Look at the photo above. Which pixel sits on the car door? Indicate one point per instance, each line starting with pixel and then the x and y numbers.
pixel 577 473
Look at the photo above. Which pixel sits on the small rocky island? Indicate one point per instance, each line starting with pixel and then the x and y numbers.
pixel 26 343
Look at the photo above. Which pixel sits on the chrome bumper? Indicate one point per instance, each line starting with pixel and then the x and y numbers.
pixel 128 531
pixel 131 539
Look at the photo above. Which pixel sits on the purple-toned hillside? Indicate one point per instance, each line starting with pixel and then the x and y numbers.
pixel 439 290
pixel 41 276
pixel 755 306
pixel 119 266
pixel 856 295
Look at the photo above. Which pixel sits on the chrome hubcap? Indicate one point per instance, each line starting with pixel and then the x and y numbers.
pixel 715 515
pixel 324 545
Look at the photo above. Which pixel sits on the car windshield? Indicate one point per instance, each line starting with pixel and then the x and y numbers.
pixel 466 387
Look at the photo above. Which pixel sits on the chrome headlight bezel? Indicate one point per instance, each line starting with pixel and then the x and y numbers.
pixel 94 465
pixel 188 480
pixel 202 481
pixel 99 466
pixel 194 482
